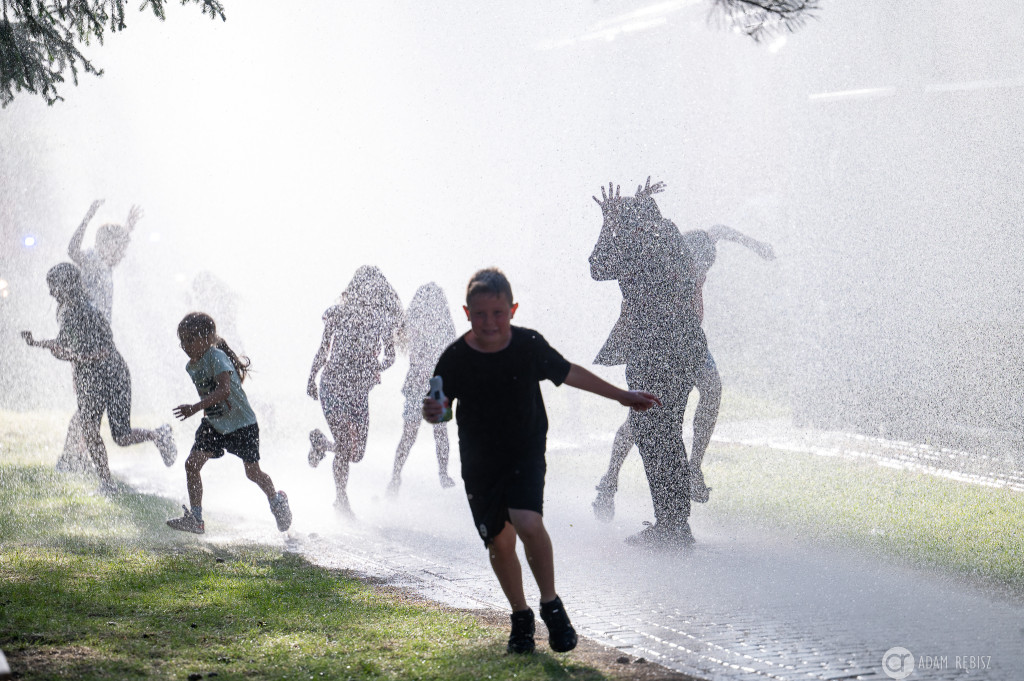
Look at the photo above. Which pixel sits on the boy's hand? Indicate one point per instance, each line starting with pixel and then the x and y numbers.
pixel 639 400
pixel 311 388
pixel 27 335
pixel 432 410
pixel 183 411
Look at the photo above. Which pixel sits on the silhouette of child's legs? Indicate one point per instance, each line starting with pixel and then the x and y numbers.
pixel 75 457
pixel 709 390
pixel 709 385
pixel 441 447
pixel 90 415
pixel 409 433
pixel 348 416
pixel 119 414
pixel 604 505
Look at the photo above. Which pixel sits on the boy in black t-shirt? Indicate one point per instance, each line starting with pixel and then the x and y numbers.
pixel 494 373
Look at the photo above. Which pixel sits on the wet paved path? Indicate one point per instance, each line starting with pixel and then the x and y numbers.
pixel 740 605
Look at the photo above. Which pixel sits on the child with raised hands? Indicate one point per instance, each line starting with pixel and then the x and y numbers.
pixel 228 421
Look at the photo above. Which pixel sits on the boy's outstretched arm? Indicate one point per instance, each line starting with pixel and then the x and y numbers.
pixel 585 380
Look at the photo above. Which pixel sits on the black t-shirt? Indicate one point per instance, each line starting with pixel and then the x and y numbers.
pixel 499 408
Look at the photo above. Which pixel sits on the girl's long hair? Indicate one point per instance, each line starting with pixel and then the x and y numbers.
pixel 428 318
pixel 201 325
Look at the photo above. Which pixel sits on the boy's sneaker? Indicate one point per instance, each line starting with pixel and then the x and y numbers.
pixel 604 505
pixel 658 536
pixel 317 447
pixel 282 513
pixel 520 641
pixel 699 492
pixel 165 445
pixel 187 523
pixel 561 635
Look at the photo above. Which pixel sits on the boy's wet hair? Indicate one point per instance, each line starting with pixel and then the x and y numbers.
pixel 490 281
pixel 65 276
pixel 201 325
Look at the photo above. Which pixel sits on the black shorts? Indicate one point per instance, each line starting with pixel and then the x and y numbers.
pixel 243 443
pixel 490 497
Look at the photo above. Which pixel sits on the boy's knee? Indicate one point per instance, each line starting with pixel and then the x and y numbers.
pixel 527 523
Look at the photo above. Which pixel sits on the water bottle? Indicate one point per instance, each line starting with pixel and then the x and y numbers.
pixel 437 393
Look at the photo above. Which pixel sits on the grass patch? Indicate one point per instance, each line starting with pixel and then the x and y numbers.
pixel 97 588
pixel 922 519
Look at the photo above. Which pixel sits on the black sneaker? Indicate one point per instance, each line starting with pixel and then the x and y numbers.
pixel 520 641
pixel 561 635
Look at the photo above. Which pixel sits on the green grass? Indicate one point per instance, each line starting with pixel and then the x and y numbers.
pixel 920 519
pixel 97 588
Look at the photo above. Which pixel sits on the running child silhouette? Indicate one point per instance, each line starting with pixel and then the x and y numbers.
pixel 493 373
pixel 356 331
pixel 425 332
pixel 228 421
pixel 96 266
pixel 101 378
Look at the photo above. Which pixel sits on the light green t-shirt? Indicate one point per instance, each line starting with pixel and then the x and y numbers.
pixel 233 413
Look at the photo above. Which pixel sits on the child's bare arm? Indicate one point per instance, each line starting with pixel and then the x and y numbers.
pixel 319 361
pixel 219 394
pixel 75 246
pixel 585 380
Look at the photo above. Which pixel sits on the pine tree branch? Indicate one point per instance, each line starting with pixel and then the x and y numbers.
pixel 40 40
pixel 761 19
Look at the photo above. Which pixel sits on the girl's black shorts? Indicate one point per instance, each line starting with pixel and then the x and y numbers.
pixel 243 443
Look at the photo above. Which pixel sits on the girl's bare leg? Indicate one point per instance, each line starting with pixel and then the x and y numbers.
pixel 262 480
pixel 193 480
pixel 441 446
pixel 409 432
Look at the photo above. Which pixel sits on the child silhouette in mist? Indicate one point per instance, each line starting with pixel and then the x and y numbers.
pixel 228 420
pixel 96 266
pixel 101 378
pixel 425 332
pixel 356 331
pixel 493 374
pixel 702 244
